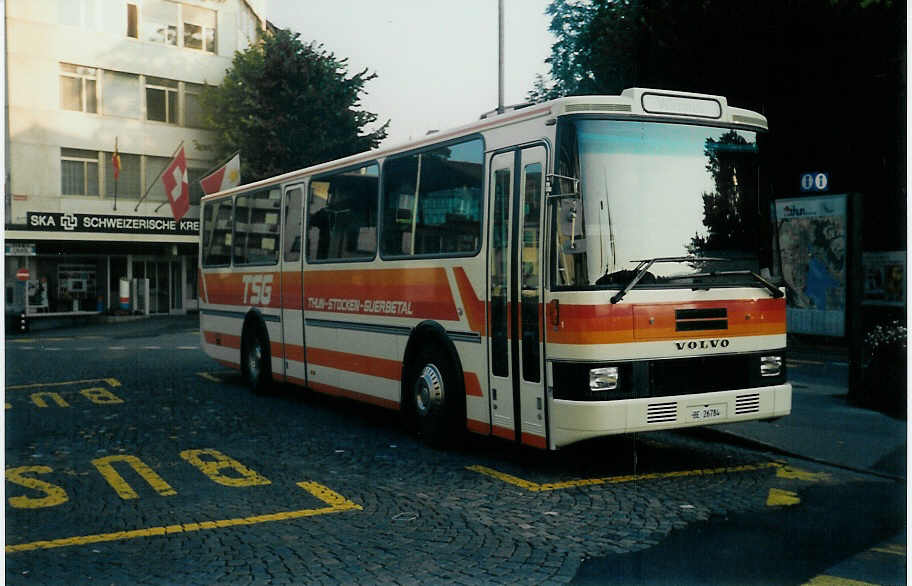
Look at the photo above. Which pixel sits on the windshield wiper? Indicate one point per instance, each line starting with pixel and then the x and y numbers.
pixel 772 288
pixel 648 262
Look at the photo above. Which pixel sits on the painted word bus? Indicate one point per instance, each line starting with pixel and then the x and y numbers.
pixel 578 268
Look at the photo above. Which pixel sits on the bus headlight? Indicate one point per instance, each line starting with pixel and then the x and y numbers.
pixel 603 379
pixel 770 365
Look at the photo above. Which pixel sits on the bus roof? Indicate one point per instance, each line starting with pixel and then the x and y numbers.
pixel 639 103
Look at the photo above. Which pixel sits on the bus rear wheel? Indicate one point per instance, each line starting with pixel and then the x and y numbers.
pixel 255 359
pixel 435 397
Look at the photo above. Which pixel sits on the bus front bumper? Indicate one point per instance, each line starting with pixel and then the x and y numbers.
pixel 573 421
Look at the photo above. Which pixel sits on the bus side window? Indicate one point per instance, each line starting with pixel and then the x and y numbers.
pixel 256 227
pixel 291 234
pixel 217 233
pixel 342 215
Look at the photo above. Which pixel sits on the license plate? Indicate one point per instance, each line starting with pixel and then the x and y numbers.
pixel 706 412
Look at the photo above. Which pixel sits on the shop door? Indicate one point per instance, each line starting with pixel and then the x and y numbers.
pixel 177 286
pixel 515 350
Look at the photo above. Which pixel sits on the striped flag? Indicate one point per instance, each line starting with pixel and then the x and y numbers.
pixel 225 177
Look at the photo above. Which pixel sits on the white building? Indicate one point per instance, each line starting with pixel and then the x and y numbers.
pixel 82 75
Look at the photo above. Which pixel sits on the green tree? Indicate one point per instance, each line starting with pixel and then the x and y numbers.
pixel 287 105
pixel 828 74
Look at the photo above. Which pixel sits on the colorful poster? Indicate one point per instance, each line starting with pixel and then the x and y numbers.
pixel 812 242
pixel 885 278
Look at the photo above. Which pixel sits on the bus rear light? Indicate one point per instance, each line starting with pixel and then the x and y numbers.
pixel 770 365
pixel 603 379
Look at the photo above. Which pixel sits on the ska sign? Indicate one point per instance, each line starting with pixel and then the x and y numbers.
pixel 64 222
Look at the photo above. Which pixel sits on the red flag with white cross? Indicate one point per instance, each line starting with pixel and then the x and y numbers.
pixel 176 185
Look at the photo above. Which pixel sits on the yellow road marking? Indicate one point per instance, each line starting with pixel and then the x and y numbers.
pixel 111 382
pixel 798 474
pixel 536 487
pixel 836 581
pixel 895 549
pixel 781 498
pixel 336 504
pixel 208 376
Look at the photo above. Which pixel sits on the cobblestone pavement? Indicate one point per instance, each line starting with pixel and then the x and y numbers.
pixel 139 460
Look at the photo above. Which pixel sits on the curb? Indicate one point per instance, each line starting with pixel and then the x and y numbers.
pixel 743 441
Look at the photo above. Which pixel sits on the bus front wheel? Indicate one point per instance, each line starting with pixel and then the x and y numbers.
pixel 255 359
pixel 434 396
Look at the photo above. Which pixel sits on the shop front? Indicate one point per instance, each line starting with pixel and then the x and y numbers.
pixel 76 264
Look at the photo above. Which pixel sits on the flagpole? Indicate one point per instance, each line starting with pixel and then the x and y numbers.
pixel 160 173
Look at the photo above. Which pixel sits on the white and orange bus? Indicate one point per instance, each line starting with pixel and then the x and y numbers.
pixel 584 267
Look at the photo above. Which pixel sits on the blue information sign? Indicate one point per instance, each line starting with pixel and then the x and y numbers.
pixel 818 181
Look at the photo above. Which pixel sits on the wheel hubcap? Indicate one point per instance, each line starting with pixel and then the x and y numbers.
pixel 429 391
pixel 253 361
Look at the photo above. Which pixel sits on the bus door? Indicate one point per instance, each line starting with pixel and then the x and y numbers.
pixel 518 407
pixel 292 289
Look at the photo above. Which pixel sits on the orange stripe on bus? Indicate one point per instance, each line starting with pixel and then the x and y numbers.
pixel 230 289
pixel 382 367
pixel 221 339
pixel 536 441
pixel 503 432
pixel 421 292
pixel 473 306
pixel 478 427
pixel 339 392
pixel 472 386
pixel 608 324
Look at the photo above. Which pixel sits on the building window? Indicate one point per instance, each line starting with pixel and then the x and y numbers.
pixel 132 21
pixel 193 112
pixel 78 172
pixel 128 184
pixel 161 100
pixel 78 88
pixel 121 95
pixel 159 22
pixel 199 28
pixel 154 168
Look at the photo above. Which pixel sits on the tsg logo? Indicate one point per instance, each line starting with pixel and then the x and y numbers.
pixel 68 222
pixel 258 289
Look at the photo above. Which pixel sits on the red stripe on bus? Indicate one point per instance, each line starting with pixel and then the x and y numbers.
pixel 473 306
pixel 261 289
pixel 292 291
pixel 339 392
pixel 478 427
pixel 420 293
pixel 472 386
pixel 382 367
pixel 503 432
pixel 536 441
pixel 221 339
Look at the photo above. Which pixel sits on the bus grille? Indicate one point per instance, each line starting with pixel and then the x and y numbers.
pixel 693 320
pixel 745 404
pixel 662 413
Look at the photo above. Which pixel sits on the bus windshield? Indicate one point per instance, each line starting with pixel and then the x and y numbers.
pixel 682 193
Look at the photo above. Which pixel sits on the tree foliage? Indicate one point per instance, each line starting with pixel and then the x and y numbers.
pixel 828 74
pixel 287 105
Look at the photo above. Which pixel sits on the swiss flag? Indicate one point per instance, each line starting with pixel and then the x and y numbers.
pixel 176 187
pixel 225 177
